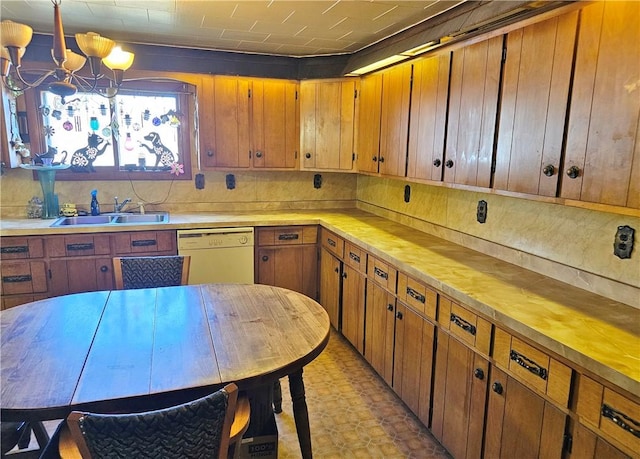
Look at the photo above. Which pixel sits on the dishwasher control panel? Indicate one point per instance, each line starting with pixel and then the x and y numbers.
pixel 215 238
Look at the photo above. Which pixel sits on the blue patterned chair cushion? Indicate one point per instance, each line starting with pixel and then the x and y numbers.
pixel 191 430
pixel 150 272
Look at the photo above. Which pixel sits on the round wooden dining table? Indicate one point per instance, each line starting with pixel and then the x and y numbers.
pixel 133 350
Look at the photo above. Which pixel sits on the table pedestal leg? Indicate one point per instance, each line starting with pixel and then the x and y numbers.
pixel 300 413
pixel 277 397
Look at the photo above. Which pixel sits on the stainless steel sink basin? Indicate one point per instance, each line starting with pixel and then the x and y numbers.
pixel 113 219
pixel 142 218
pixel 84 220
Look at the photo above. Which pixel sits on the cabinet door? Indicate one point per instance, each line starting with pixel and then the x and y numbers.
pixel 459 394
pixel 224 122
pixel 413 358
pixel 369 123
pixel 330 280
pixel 76 275
pixel 353 286
pixel 274 124
pixel 327 112
pixel 587 445
pixel 520 423
pixel 535 89
pixel 428 117
pixel 473 105
pixel 378 339
pixel 602 134
pixel 394 121
pixel 292 267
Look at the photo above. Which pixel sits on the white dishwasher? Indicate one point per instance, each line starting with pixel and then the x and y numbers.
pixel 218 255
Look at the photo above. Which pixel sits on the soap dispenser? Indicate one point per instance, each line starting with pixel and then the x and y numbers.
pixel 95 206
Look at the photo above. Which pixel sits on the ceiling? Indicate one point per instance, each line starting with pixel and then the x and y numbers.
pixel 275 27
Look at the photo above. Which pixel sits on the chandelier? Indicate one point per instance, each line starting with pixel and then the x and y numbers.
pixel 15 37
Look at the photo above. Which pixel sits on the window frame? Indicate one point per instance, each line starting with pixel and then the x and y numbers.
pixel 187 142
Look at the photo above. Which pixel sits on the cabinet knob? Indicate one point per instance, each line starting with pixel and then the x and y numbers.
pixel 209 153
pixel 265 258
pixel 449 163
pixel 344 275
pixel 375 158
pixel 381 159
pixel 389 307
pixel 549 170
pixel 337 270
pixel 478 373
pixel 258 154
pixel 307 155
pixel 104 268
pixel 497 388
pixel 399 315
pixel 437 163
pixel 573 172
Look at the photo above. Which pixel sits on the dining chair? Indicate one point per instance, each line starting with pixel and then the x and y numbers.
pixel 149 272
pixel 211 426
pixel 14 434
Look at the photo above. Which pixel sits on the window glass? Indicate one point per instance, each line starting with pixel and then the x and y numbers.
pixel 143 133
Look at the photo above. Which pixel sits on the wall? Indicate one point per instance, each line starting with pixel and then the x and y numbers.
pixel 570 244
pixel 254 191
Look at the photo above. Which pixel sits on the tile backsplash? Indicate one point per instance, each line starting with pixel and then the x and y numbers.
pixel 570 244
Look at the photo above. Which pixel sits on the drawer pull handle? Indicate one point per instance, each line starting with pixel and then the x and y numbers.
pixel 288 236
pixel 144 243
pixel 354 257
pixel 621 420
pixel 331 242
pixel 80 246
pixel 528 364
pixel 15 249
pixel 414 294
pixel 15 279
pixel 466 326
pixel 380 273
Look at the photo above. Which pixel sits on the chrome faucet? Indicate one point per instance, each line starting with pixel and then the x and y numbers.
pixel 117 207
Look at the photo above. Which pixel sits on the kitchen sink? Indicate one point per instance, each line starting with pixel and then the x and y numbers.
pixel 113 219
pixel 142 218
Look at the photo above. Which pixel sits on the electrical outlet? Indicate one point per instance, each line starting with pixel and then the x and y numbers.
pixel 317 181
pixel 199 181
pixel 231 181
pixel 481 211
pixel 407 193
pixel 623 242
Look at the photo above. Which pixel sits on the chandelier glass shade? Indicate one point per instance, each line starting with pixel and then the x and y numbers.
pixel 15 37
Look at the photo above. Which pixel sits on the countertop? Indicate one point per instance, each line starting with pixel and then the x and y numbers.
pixel 594 332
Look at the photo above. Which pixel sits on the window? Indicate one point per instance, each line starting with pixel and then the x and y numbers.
pixel 140 134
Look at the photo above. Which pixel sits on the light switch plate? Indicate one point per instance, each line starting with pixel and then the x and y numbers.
pixel 623 242
pixel 481 211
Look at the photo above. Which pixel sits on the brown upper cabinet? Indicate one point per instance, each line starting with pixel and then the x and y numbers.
pixel 535 90
pixel 429 95
pixel 248 123
pixel 473 105
pixel 224 122
pixel 327 116
pixel 383 127
pixel 602 158
pixel 368 133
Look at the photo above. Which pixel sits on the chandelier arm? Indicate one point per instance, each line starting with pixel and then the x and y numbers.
pixel 33 84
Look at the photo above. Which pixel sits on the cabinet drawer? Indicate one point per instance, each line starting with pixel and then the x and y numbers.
pixel 417 295
pixel 23 277
pixel 355 257
pixel 332 243
pixel 78 245
pixel 17 300
pixel 145 241
pixel 382 273
pixel 287 235
pixel 532 366
pixel 612 413
pixel 13 248
pixel 465 325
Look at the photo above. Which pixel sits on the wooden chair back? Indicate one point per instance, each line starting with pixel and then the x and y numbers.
pixel 149 272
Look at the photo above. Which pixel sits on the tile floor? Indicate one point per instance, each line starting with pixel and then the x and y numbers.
pixel 352 412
